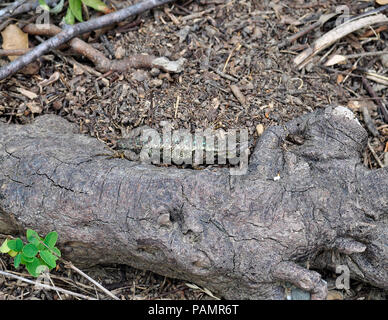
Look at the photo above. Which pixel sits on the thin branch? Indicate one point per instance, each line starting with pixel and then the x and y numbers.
pixel 12 7
pixel 19 7
pixel 70 265
pixel 335 34
pixel 375 155
pixel 45 286
pixel 70 32
pixel 372 93
pixel 103 64
pixel 13 52
pixel 366 54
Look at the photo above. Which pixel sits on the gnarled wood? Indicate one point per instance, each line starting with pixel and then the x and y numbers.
pixel 240 236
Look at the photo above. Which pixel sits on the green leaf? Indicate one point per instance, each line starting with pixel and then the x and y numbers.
pixel 58 8
pixel 30 250
pixel 96 5
pixel 19 245
pixel 31 267
pixel 69 18
pixel 51 239
pixel 4 247
pixel 56 251
pixel 42 266
pixel 43 5
pixel 76 9
pixel 49 258
pixel 15 245
pixel 32 236
pixel 12 253
pixel 25 259
pixel 17 260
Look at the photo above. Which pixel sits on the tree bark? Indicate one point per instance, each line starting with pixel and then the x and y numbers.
pixel 243 237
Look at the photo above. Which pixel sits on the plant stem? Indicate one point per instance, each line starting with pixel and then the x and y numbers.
pixel 70 32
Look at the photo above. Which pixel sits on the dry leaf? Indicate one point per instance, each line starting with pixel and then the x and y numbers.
pixel 357 105
pixel 77 69
pixel 334 295
pixel 34 107
pixel 290 20
pixel 336 59
pixel 14 38
pixel 340 78
pixel 29 94
pixel 54 77
pixel 32 68
pixel 169 66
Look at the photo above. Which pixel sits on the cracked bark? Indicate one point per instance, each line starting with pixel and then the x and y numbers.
pixel 240 236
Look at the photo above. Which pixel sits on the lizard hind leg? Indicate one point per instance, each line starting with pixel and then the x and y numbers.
pixel 303 278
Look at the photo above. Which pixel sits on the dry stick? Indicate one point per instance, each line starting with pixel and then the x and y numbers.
pixel 373 94
pixel 366 54
pixel 375 156
pixel 23 8
pixel 101 62
pixel 70 32
pixel 13 52
pixel 71 266
pixel 11 8
pixel 337 33
pixel 322 20
pixel 369 122
pixel 45 286
pixel 299 34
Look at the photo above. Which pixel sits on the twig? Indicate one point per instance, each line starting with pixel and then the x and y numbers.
pixel 371 75
pixel 13 52
pixel 308 5
pixel 22 8
pixel 366 54
pixel 52 283
pixel 236 48
pixel 45 286
pixel 372 93
pixel 375 156
pixel 12 7
pixel 299 34
pixel 369 122
pixel 102 63
pixel 337 33
pixel 70 32
pixel 224 75
pixel 70 265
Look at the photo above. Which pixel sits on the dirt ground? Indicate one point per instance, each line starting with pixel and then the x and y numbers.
pixel 229 43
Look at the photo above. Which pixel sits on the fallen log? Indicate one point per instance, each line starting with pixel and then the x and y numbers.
pixel 243 237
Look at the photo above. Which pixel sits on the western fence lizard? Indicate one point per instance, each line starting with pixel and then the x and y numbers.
pixel 180 146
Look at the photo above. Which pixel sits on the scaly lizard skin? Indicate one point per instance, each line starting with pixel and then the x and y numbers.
pixel 133 144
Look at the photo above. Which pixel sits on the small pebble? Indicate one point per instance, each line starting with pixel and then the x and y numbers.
pixel 156 83
pixel 155 72
pixel 120 52
pixel 260 129
pixel 299 294
pixel 140 75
